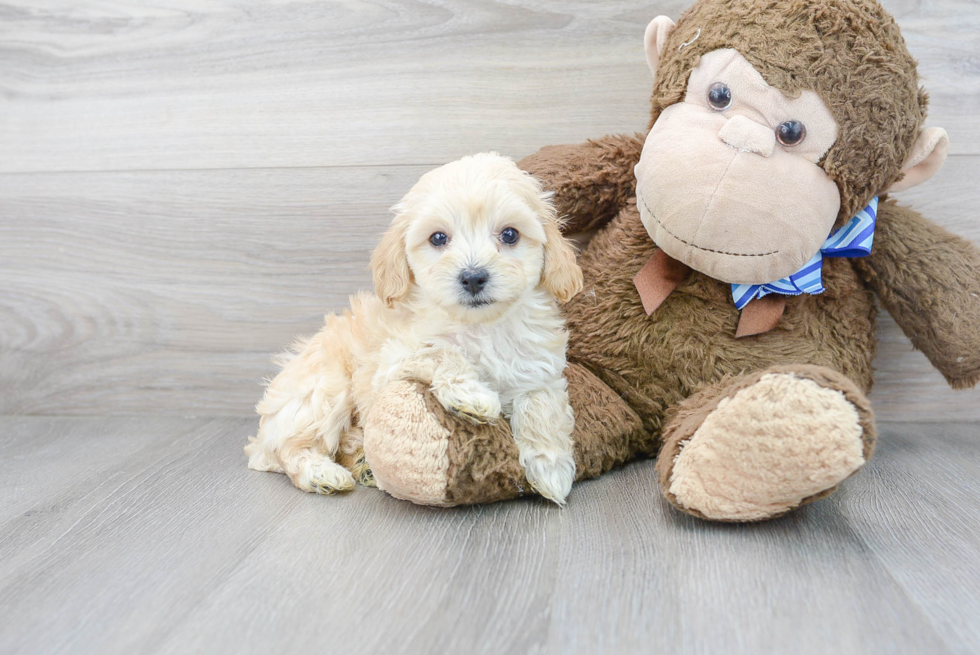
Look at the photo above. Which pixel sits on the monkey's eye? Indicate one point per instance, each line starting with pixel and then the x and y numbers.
pixel 791 133
pixel 510 236
pixel 719 96
pixel 438 239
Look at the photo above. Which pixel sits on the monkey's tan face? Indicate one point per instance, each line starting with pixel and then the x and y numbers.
pixel 728 182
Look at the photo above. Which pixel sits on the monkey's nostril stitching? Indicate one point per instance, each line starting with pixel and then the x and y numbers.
pixel 745 135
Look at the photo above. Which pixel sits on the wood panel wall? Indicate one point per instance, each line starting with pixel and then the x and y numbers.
pixel 186 185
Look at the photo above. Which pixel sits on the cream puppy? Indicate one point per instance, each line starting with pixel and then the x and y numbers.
pixel 468 279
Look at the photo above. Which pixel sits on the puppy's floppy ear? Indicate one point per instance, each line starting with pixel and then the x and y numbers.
pixel 389 262
pixel 561 276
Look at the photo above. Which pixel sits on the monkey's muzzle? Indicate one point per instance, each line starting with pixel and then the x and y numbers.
pixel 718 195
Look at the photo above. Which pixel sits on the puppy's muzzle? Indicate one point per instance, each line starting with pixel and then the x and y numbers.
pixel 473 280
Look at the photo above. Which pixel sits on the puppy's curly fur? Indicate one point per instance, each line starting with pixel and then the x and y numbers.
pixel 461 305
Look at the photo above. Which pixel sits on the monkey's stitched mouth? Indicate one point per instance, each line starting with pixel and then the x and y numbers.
pixel 694 245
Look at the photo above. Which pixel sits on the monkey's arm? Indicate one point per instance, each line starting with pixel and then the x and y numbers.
pixel 591 181
pixel 929 281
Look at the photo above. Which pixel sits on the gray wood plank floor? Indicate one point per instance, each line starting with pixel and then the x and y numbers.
pixel 154 538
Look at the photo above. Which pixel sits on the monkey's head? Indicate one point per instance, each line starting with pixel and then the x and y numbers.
pixel 773 121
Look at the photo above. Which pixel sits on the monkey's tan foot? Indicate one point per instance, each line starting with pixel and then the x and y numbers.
pixel 757 446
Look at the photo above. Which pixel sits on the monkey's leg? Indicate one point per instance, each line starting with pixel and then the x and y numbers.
pixel 419 452
pixel 756 446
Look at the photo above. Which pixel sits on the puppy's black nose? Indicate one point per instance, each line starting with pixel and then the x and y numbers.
pixel 474 279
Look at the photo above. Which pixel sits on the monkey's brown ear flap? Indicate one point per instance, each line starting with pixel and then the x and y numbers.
pixel 654 39
pixel 925 160
pixel 389 264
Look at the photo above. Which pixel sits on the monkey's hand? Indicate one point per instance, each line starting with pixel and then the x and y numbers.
pixel 591 181
pixel 929 281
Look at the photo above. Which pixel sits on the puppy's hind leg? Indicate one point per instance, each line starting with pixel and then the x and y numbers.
pixel 351 456
pixel 305 413
pixel 312 439
pixel 317 473
pixel 542 423
pixel 260 459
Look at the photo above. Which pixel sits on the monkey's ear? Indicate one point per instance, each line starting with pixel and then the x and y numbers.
pixel 926 158
pixel 654 39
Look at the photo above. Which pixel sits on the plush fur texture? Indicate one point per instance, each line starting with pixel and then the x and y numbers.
pixel 411 468
pixel 929 281
pixel 486 348
pixel 641 384
pixel 596 178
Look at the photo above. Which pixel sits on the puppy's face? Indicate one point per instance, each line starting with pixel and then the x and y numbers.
pixel 474 236
pixel 475 251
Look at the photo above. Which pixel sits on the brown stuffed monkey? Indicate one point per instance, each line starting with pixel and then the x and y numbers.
pixel 727 324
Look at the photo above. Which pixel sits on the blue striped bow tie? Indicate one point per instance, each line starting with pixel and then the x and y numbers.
pixel 852 240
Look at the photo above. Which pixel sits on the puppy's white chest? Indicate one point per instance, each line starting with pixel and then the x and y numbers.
pixel 514 358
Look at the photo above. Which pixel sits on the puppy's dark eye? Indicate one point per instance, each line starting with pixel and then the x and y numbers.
pixel 791 133
pixel 438 239
pixel 510 236
pixel 719 96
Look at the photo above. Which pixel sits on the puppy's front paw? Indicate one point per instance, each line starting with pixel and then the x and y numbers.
pixel 470 400
pixel 550 473
pixel 475 416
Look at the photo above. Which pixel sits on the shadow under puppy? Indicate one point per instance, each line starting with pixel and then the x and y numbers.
pixel 468 279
